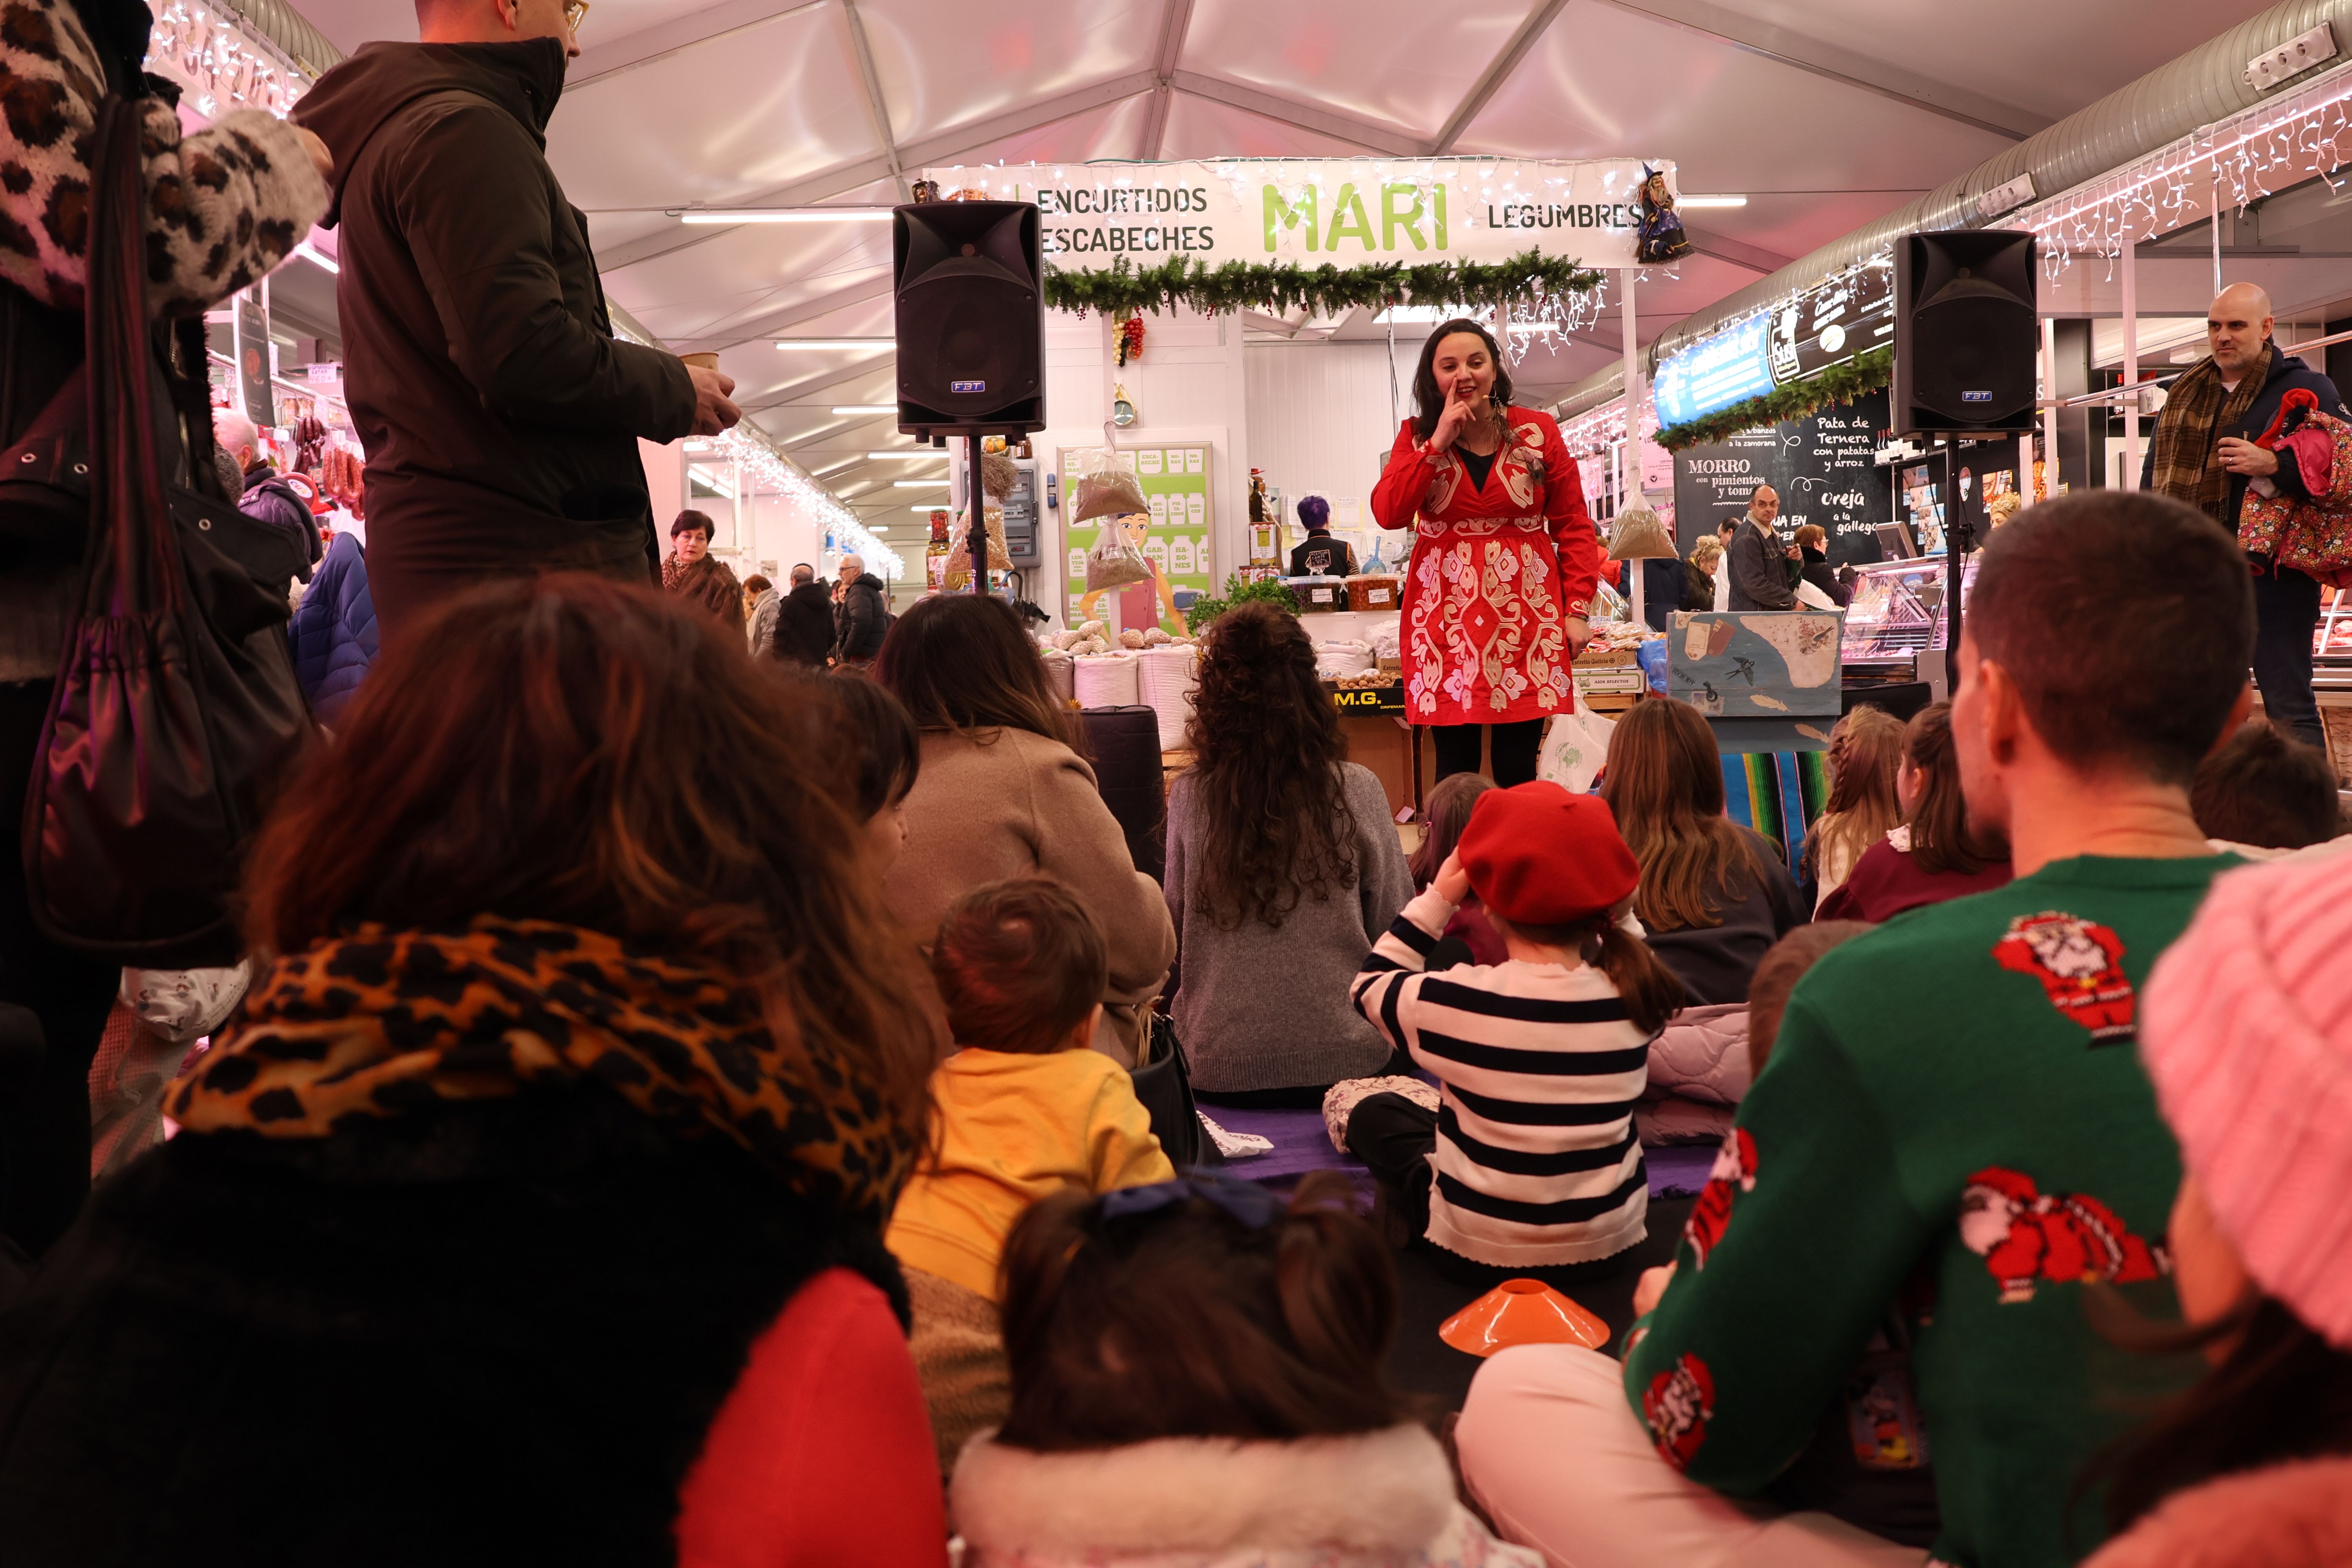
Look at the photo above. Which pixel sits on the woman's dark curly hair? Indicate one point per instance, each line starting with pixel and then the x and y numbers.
pixel 1264 779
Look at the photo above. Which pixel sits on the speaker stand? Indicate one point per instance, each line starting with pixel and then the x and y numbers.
pixel 975 508
pixel 1959 542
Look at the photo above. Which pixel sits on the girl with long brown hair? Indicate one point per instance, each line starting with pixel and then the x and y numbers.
pixel 1004 792
pixel 1865 750
pixel 1936 853
pixel 1283 867
pixel 1714 895
pixel 544 1166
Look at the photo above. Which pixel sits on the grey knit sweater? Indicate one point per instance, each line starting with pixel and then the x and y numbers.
pixel 1265 1007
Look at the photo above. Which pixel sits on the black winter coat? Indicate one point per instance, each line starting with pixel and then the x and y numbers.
pixel 803 630
pixel 2286 372
pixel 487 1334
pixel 861 619
pixel 1759 569
pixel 500 414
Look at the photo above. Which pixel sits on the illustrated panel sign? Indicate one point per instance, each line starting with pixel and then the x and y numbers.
pixel 1174 535
pixel 1821 465
pixel 1346 211
pixel 1742 665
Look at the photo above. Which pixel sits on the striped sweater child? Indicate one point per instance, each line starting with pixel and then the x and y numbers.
pixel 1537 1160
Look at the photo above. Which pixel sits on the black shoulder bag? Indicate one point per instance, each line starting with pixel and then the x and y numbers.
pixel 175 700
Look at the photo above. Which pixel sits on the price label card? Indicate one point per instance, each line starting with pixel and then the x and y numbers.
pixel 1192 459
pixel 1159 507
pixel 1149 460
pixel 1196 508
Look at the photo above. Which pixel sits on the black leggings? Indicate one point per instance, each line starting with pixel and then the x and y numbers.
pixel 1517 747
pixel 1393 1137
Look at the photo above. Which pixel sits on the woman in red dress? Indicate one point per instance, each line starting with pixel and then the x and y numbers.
pixel 1504 558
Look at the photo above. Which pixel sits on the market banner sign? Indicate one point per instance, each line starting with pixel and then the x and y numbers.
pixel 1344 211
pixel 1806 333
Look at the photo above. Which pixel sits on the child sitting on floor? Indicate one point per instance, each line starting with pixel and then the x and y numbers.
pixel 1024 1108
pixel 1198 1378
pixel 1468 937
pixel 2263 792
pixel 1536 1163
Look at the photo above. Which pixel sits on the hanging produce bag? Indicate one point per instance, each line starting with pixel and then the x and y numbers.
pixel 1113 563
pixel 959 557
pixel 1107 488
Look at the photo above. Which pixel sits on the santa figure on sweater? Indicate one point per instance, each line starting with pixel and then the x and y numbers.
pixel 2026 1236
pixel 2080 966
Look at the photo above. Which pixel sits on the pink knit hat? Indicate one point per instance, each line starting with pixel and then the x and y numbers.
pixel 2247 1031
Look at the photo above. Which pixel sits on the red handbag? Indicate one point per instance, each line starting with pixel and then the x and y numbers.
pixel 2315 536
pixel 176 702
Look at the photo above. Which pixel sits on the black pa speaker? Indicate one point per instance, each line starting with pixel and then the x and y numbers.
pixel 969 280
pixel 1965 332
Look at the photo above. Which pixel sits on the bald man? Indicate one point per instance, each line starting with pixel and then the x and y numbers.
pixel 500 414
pixel 1756 564
pixel 2204 454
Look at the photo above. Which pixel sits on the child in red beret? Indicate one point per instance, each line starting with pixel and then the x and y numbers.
pixel 1531 1160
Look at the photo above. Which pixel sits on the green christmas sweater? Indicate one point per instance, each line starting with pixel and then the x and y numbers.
pixel 1952 1134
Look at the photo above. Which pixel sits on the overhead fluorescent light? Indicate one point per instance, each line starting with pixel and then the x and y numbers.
pixel 317 257
pixel 866 408
pixel 938 484
pixel 1428 315
pixel 927 510
pixel 1689 201
pixel 780 215
pixel 835 342
pixel 920 452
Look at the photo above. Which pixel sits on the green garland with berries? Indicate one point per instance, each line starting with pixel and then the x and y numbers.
pixel 1840 383
pixel 1326 290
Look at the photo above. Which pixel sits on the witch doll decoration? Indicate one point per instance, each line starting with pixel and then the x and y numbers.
pixel 1663 239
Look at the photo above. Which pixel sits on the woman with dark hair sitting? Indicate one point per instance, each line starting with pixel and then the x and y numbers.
pixel 1283 869
pixel 1937 853
pixel 691 572
pixel 1003 793
pixel 1714 895
pixel 530 1209
pixel 2246 1028
pixel 1505 558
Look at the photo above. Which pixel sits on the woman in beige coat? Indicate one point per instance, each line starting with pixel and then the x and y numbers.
pixel 1003 793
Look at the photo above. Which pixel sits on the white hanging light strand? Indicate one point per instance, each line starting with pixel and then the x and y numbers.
pixel 768 469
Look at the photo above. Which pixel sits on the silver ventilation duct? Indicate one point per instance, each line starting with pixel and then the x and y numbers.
pixel 283 26
pixel 2205 85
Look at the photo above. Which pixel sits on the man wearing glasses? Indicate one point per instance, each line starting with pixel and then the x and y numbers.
pixel 500 414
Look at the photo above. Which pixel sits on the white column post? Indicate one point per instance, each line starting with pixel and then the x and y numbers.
pixel 2131 364
pixel 1629 462
pixel 2050 414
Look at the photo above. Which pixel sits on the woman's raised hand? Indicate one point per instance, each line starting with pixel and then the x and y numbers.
pixel 1456 416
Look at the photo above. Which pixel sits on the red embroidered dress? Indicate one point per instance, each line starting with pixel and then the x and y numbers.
pixel 1496 570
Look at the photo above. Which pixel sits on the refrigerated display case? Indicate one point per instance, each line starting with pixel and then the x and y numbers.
pixel 1898 610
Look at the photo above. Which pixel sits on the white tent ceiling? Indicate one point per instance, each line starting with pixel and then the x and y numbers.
pixel 1823 113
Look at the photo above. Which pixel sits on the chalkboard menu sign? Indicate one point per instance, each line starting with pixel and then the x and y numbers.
pixel 1821 466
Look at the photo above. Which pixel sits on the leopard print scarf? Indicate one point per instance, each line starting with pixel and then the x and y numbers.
pixel 382 1022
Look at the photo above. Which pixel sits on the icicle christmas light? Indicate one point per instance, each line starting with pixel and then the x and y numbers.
pixel 221 64
pixel 2238 160
pixel 766 469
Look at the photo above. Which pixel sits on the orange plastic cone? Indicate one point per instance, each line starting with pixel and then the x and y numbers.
pixel 1521 1312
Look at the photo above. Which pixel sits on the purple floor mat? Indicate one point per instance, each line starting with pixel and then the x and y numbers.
pixel 1678 1170
pixel 1301 1145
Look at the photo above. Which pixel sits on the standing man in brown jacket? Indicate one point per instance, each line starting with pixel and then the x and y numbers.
pixel 500 414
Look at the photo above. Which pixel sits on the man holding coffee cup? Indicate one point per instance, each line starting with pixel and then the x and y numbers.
pixel 500 413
